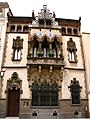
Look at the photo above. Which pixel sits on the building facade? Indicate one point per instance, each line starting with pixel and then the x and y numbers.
pixel 4 12
pixel 86 46
pixel 44 70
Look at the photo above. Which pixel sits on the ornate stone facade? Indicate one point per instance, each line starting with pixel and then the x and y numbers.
pixel 47 56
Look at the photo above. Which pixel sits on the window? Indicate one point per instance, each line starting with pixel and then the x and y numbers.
pixel 19 28
pixel 75 90
pixel 17 48
pixel 69 31
pixel 63 30
pixel 55 52
pixel 48 22
pixel 12 28
pixel 35 47
pixel 71 47
pixel 41 22
pixel 55 46
pixel 17 54
pixel 35 52
pixel 71 56
pixel 45 47
pixel 44 94
pixel 45 51
pixel 75 32
pixel 25 28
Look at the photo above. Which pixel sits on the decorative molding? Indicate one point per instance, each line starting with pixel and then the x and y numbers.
pixel 14 66
pixel 14 82
pixel 75 90
pixel 17 43
pixel 82 69
pixel 71 46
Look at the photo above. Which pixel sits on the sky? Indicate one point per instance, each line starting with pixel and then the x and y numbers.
pixel 68 9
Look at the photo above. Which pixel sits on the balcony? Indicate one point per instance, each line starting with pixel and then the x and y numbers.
pixel 39 59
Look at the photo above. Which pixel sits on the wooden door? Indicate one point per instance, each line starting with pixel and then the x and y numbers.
pixel 13 102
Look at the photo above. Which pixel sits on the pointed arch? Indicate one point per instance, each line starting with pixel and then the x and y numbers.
pixel 45 46
pixel 34 36
pixel 17 48
pixel 45 36
pixel 56 37
pixel 55 46
pixel 71 47
pixel 34 45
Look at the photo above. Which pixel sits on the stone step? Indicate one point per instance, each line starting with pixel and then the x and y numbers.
pixel 10 118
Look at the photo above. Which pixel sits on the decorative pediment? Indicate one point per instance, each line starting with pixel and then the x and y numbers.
pixel 75 86
pixel 17 43
pixel 14 82
pixel 71 46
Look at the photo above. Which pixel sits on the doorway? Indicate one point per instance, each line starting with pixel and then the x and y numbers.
pixel 13 102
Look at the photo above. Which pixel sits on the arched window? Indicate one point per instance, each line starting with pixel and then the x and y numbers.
pixel 17 48
pixel 45 47
pixel 17 54
pixel 35 47
pixel 45 94
pixel 71 47
pixel 35 93
pixel 75 90
pixel 54 94
pixel 71 56
pixel 54 47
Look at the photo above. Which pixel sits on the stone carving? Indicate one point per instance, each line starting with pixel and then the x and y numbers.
pixel 45 93
pixel 75 90
pixel 45 18
pixel 71 46
pixel 17 43
pixel 14 82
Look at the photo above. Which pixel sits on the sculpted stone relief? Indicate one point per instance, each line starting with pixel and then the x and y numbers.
pixel 45 77
pixel 14 82
pixel 45 90
pixel 17 43
pixel 71 46
pixel 75 90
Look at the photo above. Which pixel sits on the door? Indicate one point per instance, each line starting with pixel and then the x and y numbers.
pixel 13 102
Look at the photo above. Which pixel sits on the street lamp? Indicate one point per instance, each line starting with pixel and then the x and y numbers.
pixel 1 78
pixel 1 73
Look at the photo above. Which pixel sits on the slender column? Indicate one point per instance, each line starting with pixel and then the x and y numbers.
pixel 50 46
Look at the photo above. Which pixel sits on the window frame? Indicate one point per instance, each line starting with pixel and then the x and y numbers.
pixel 16 54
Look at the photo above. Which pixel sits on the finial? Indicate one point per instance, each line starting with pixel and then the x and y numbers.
pixel 33 13
pixel 54 14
